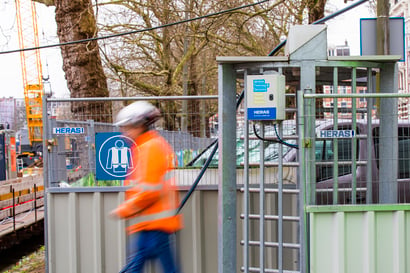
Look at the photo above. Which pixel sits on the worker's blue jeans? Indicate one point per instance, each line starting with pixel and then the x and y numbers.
pixel 151 245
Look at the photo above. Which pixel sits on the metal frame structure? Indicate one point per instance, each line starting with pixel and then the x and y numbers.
pixel 306 52
pixel 263 237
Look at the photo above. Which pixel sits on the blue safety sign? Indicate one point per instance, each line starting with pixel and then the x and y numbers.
pixel 113 156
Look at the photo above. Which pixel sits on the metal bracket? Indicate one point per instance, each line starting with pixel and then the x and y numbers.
pixel 307 143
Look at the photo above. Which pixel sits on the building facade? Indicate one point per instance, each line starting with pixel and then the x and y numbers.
pixel 12 113
pixel 401 8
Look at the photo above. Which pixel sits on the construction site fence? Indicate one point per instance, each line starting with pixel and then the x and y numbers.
pixel 187 123
pixel 341 169
pixel 360 150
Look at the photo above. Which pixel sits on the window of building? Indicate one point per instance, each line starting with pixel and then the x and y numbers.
pixel 362 91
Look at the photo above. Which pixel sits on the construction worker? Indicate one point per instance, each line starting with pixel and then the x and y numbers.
pixel 151 199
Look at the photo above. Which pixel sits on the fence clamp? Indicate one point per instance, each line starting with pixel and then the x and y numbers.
pixel 50 143
pixel 307 143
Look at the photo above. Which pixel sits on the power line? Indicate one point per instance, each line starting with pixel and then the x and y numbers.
pixel 134 31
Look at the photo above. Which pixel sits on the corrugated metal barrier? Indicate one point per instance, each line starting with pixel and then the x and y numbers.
pixel 83 238
pixel 368 238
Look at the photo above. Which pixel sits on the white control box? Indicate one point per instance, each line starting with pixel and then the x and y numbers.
pixel 265 97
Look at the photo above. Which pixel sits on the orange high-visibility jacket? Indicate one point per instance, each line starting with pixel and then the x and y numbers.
pixel 152 201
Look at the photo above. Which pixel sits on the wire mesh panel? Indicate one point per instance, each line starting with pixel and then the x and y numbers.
pixel 73 125
pixel 267 151
pixel 271 145
pixel 360 151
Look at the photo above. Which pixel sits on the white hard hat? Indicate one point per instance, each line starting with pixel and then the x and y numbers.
pixel 137 113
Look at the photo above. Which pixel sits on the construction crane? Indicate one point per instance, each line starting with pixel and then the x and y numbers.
pixel 31 70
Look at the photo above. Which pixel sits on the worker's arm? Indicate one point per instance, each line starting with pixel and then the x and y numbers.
pixel 152 167
pixel 140 197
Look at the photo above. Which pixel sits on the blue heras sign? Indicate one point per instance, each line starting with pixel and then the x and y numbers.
pixel 113 156
pixel 336 134
pixel 68 130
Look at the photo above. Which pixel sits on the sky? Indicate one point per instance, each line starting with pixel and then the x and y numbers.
pixel 346 27
pixel 343 28
pixel 10 66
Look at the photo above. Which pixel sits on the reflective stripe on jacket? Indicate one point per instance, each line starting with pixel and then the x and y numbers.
pixel 152 200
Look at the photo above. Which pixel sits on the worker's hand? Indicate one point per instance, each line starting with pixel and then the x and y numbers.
pixel 114 214
pixel 125 210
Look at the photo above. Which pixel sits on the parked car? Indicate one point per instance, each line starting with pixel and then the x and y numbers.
pixel 324 158
pixel 271 148
pixel 324 168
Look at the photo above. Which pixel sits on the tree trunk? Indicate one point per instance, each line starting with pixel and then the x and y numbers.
pixel 382 30
pixel 81 62
pixel 316 10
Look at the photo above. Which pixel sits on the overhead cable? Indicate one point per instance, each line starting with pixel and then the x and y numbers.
pixel 134 31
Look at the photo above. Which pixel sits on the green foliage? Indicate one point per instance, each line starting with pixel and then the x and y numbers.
pixel 89 181
pixel 34 263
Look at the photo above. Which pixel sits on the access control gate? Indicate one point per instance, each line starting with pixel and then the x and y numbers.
pixel 317 123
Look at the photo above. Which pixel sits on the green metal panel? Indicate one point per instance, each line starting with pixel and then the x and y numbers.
pixel 368 239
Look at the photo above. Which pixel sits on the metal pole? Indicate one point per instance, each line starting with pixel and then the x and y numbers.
pixel 246 185
pixel 369 141
pixel 45 137
pixel 303 228
pixel 95 99
pixel 308 84
pixel 262 202
pixel 374 95
pixel 91 148
pixel 354 139
pixel 310 147
pixel 35 203
pixel 52 156
pixel 14 209
pixel 388 144
pixel 335 142
pixel 280 201
pixel 45 177
pixel 227 169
